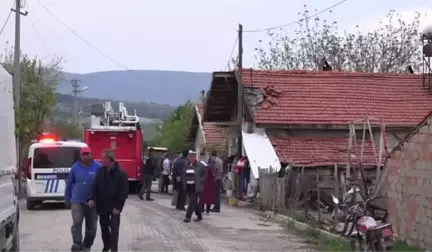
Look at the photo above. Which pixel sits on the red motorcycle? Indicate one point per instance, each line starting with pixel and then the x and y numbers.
pixel 367 234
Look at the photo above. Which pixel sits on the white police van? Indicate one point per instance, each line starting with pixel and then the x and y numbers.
pixel 48 165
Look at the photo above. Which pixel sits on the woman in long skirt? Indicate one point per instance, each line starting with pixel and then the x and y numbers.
pixel 208 194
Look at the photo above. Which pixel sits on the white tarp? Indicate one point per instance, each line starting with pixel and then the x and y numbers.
pixel 260 152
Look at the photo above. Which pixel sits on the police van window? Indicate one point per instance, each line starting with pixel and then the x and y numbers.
pixel 55 157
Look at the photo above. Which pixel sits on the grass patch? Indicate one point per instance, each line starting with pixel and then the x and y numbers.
pixel 318 241
pixel 403 246
pixel 325 244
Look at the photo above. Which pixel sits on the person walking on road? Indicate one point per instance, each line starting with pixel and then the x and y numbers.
pixel 193 178
pixel 166 165
pixel 218 163
pixel 179 166
pixel 78 186
pixel 147 171
pixel 109 194
pixel 208 195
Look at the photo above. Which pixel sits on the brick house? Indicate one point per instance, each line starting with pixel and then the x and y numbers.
pixel 306 113
pixel 408 186
pixel 206 136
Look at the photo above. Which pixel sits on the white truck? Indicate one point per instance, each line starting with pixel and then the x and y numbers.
pixel 9 209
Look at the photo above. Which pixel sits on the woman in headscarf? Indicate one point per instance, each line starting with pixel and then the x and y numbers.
pixel 208 195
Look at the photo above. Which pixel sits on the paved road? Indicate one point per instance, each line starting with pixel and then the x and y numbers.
pixel 154 226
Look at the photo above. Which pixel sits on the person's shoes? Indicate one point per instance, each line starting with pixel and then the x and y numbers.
pixel 215 210
pixel 86 249
pixel 149 199
pixel 198 219
pixel 75 247
pixel 105 249
pixel 186 220
pixel 140 197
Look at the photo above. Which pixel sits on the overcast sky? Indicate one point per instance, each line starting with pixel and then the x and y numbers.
pixel 187 35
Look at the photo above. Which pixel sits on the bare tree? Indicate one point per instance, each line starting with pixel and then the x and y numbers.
pixel 390 48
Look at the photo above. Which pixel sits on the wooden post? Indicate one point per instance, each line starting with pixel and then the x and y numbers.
pixel 350 139
pixel 318 197
pixel 336 177
pixel 378 171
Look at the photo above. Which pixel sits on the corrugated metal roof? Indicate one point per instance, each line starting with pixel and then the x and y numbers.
pixel 260 152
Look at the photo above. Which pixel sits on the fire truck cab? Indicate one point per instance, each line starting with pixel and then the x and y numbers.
pixel 120 132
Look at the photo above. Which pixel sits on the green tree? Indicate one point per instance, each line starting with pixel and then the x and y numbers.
pixel 38 84
pixel 173 132
pixel 66 130
pixel 391 48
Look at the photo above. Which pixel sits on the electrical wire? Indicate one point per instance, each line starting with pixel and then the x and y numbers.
pixel 95 48
pixel 7 19
pixel 230 56
pixel 82 38
pixel 297 21
pixel 38 34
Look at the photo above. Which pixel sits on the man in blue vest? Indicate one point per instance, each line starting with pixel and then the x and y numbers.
pixel 78 188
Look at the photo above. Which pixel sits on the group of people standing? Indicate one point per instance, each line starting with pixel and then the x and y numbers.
pixel 198 181
pixel 93 190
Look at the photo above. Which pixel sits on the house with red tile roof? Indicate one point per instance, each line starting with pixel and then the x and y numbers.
pixel 306 114
pixel 206 136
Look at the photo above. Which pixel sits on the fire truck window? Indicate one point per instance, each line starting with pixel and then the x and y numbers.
pixel 113 145
pixel 55 157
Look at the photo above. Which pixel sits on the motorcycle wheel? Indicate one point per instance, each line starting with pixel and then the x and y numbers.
pixel 359 245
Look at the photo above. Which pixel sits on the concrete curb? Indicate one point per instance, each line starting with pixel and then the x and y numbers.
pixel 300 225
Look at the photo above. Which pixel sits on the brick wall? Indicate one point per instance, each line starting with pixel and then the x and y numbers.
pixel 409 188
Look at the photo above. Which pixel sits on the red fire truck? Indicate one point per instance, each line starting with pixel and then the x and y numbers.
pixel 120 132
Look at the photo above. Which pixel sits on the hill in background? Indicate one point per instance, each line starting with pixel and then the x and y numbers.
pixel 140 86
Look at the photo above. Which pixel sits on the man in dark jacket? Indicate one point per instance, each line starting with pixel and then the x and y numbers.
pixel 193 178
pixel 147 173
pixel 179 165
pixel 109 194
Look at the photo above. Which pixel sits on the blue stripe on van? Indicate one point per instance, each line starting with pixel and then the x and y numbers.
pixel 47 185
pixel 52 185
pixel 56 185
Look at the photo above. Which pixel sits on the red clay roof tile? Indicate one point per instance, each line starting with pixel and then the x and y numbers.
pixel 214 135
pixel 317 97
pixel 320 151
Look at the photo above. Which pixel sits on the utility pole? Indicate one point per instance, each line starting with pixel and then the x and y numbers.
pixel 17 79
pixel 237 189
pixel 75 91
pixel 240 90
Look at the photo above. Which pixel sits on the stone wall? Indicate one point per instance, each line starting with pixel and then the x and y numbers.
pixel 409 188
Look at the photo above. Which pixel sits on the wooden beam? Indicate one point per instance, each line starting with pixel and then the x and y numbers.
pixel 229 74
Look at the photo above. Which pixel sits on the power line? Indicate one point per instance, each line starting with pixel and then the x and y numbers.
pixel 232 51
pixel 82 38
pixel 7 19
pixel 38 34
pixel 297 21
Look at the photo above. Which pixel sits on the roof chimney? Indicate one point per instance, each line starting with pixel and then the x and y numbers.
pixel 324 65
pixel 410 69
pixel 203 96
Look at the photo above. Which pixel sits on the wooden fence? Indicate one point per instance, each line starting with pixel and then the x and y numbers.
pixel 288 194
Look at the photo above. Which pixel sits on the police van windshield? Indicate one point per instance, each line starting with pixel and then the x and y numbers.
pixel 55 157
